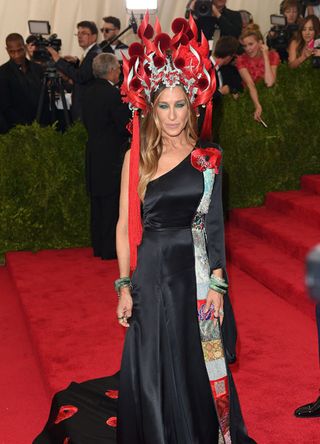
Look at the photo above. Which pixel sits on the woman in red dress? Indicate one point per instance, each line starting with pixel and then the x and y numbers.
pixel 257 63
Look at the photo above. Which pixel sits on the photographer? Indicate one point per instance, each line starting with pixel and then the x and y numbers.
pixel 20 86
pixel 279 37
pixel 213 15
pixel 302 47
pixel 80 71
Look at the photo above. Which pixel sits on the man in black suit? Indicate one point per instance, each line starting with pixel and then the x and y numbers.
pixel 222 19
pixel 80 71
pixel 110 29
pixel 20 86
pixel 105 117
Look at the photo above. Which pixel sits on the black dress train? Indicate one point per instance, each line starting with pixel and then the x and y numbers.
pixel 165 393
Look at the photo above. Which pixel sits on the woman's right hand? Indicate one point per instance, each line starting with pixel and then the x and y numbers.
pixel 257 113
pixel 124 309
pixel 306 53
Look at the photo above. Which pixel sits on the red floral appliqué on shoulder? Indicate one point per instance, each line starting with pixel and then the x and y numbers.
pixel 206 158
pixel 113 394
pixel 112 421
pixel 65 412
pixel 66 441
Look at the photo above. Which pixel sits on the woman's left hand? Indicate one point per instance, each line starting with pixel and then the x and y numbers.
pixel 216 299
pixel 264 48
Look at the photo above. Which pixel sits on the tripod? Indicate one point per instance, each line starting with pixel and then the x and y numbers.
pixel 52 82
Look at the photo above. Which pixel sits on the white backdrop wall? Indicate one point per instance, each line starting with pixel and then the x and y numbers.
pixel 65 14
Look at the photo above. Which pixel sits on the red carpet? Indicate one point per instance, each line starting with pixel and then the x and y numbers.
pixel 24 400
pixel 69 306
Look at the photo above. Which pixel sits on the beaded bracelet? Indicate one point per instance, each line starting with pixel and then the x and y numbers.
pixel 121 283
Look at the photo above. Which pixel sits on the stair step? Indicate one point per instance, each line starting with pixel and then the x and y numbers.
pixel 278 230
pixel 301 205
pixel 311 183
pixel 282 274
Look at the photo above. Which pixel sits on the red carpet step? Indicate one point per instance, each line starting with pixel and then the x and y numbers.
pixel 271 242
pixel 299 205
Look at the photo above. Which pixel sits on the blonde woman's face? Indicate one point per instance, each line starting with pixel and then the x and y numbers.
pixel 172 111
pixel 251 45
pixel 308 32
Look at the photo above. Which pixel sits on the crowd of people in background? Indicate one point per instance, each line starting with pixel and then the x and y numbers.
pixel 240 53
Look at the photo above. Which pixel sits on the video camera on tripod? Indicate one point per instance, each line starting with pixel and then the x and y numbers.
pixel 52 83
pixel 38 28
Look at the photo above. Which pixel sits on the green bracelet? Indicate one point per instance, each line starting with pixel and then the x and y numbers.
pixel 122 282
pixel 219 282
pixel 217 289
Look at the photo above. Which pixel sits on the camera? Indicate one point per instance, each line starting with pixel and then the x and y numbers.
pixel 41 54
pixel 203 8
pixel 282 32
pixel 38 28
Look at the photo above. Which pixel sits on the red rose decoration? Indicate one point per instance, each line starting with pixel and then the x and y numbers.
pixel 203 83
pixel 158 61
pixel 206 158
pixel 178 24
pixel 112 421
pixel 163 40
pixel 136 49
pixel 113 394
pixel 66 441
pixel 65 412
pixel 179 63
pixel 135 84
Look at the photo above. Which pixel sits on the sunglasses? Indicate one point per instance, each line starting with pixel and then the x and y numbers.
pixel 106 30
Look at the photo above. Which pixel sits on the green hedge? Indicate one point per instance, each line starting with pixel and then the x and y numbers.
pixel 43 203
pixel 258 159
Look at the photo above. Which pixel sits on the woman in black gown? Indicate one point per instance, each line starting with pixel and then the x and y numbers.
pixel 175 386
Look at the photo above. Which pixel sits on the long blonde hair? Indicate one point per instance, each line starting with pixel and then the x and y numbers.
pixel 151 145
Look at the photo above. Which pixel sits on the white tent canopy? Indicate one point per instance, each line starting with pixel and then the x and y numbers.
pixel 63 16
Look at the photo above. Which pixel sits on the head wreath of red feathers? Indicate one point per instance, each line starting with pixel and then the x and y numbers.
pixel 169 61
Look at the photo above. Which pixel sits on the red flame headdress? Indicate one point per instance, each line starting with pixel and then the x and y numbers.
pixel 170 61
pixel 162 60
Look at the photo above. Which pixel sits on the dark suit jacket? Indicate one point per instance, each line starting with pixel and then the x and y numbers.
pixel 229 23
pixel 108 48
pixel 81 75
pixel 19 94
pixel 105 117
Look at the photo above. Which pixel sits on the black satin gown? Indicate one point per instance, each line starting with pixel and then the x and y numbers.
pixel 164 390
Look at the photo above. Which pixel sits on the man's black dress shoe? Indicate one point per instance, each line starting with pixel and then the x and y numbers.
pixel 309 410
